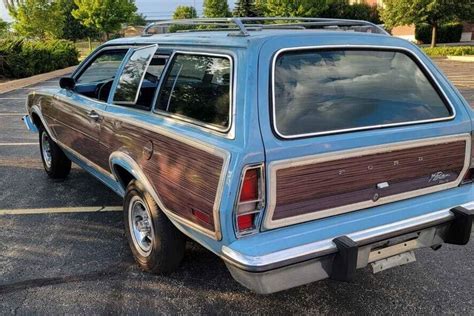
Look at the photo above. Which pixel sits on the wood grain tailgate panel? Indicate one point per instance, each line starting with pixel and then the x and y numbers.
pixel 325 185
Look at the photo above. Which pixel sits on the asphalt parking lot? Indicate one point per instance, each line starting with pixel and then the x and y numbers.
pixel 78 261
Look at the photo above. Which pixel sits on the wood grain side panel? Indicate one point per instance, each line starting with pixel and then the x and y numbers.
pixel 320 186
pixel 185 177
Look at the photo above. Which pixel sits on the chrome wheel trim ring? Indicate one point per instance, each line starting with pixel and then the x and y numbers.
pixel 140 226
pixel 46 149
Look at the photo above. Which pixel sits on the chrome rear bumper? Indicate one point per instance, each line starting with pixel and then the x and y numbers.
pixel 304 264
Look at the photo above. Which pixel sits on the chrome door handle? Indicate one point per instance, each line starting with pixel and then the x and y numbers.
pixel 93 115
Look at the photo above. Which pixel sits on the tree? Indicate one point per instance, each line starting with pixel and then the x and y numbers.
pixel 432 12
pixel 106 16
pixel 295 8
pixel 73 29
pixel 216 8
pixel 244 8
pixel 340 9
pixel 37 18
pixel 137 19
pixel 185 12
pixel 3 27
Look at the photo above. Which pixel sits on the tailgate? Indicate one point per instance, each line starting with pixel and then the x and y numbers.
pixel 349 126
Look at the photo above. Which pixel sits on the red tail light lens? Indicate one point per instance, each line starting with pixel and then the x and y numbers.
pixel 245 222
pixel 249 190
pixel 249 204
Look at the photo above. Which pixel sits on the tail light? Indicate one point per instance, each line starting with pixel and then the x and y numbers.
pixel 250 201
pixel 469 176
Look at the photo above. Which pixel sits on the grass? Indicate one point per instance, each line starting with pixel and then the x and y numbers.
pixel 83 48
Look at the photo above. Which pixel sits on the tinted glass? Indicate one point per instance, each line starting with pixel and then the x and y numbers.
pixel 322 91
pixel 131 77
pixel 198 87
pixel 103 68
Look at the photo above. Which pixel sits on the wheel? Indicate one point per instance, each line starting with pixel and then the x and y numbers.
pixel 55 162
pixel 157 245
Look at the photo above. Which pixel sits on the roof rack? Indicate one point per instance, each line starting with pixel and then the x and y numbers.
pixel 243 25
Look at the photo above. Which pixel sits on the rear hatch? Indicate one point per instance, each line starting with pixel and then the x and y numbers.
pixel 350 127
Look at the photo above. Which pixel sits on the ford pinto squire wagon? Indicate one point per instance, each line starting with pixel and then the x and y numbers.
pixel 295 150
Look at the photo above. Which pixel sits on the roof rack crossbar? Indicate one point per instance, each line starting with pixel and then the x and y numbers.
pixel 245 23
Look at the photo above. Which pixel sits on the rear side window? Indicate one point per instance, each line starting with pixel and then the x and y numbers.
pixel 198 87
pixel 328 91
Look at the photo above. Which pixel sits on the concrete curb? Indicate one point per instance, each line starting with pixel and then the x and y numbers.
pixel 462 58
pixel 21 83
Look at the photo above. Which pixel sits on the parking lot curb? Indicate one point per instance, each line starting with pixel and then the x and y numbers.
pixel 469 58
pixel 21 83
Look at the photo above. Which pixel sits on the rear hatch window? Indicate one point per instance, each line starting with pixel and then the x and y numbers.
pixel 329 91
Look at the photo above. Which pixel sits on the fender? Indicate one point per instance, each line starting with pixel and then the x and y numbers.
pixel 35 109
pixel 123 160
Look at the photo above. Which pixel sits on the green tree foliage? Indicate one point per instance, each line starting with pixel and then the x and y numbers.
pixel 185 12
pixel 340 9
pixel 73 29
pixel 3 27
pixel 106 16
pixel 432 12
pixel 137 19
pixel 295 8
pixel 244 8
pixel 216 8
pixel 37 18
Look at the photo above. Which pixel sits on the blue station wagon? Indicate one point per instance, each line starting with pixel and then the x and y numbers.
pixel 294 149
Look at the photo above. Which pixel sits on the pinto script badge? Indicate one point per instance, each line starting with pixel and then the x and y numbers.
pixel 438 176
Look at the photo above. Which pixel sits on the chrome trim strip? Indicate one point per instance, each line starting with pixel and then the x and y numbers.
pixel 274 166
pixel 232 87
pixel 392 48
pixel 327 246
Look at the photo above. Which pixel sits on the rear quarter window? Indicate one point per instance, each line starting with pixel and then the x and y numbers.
pixel 329 91
pixel 198 87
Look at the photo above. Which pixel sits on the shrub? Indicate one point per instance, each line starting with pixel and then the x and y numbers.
pixel 449 51
pixel 447 33
pixel 21 58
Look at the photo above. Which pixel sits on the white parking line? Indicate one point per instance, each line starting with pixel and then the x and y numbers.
pixel 18 144
pixel 12 114
pixel 60 210
pixel 7 98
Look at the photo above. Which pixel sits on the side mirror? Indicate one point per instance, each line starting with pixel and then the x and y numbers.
pixel 67 83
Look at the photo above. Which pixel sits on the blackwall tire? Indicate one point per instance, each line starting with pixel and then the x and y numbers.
pixel 55 162
pixel 157 245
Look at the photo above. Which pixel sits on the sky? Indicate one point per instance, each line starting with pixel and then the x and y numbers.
pixel 153 9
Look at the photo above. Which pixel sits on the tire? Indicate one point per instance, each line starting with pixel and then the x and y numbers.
pixel 162 245
pixel 55 162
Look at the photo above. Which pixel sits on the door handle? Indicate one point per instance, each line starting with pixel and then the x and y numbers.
pixel 93 115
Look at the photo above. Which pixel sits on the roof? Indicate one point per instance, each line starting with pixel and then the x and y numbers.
pixel 222 38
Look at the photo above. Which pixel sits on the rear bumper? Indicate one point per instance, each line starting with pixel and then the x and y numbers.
pixel 319 260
